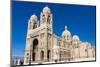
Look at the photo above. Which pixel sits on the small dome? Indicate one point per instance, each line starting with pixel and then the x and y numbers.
pixel 33 17
pixel 89 44
pixel 46 10
pixel 66 32
pixel 75 37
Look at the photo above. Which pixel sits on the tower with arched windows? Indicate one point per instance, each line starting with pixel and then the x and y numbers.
pixel 39 38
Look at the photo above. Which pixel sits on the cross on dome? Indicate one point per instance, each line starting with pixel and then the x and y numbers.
pixel 66 32
pixel 65 27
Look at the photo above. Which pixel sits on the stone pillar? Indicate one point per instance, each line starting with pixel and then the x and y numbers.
pixel 39 50
pixel 46 45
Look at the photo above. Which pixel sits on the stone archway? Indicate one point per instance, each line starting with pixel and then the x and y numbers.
pixel 42 55
pixel 35 45
pixel 33 56
pixel 48 54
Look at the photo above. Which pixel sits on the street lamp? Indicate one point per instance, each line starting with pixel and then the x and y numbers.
pixel 30 56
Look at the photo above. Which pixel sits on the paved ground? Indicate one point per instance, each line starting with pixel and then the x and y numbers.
pixel 74 60
pixel 61 62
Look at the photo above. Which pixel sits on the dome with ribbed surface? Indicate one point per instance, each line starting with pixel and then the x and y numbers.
pixel 33 17
pixel 46 10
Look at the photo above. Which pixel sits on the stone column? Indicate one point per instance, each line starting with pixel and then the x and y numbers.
pixel 46 45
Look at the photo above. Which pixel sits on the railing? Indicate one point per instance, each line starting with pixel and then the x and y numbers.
pixel 16 60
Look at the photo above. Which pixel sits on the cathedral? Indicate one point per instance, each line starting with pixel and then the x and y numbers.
pixel 42 45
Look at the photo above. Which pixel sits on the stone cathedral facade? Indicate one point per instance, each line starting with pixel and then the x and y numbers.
pixel 42 45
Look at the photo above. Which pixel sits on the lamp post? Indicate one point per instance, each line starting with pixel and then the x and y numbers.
pixel 30 56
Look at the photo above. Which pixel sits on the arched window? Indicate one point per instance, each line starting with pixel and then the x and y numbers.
pixel 43 18
pixel 34 25
pixel 35 43
pixel 48 19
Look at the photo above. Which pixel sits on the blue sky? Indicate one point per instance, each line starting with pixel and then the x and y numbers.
pixel 80 20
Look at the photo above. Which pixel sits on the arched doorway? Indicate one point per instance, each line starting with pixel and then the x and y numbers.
pixel 42 55
pixel 48 54
pixel 35 44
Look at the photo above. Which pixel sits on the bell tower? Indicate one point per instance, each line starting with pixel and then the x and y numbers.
pixel 32 23
pixel 39 38
pixel 46 18
pixel 46 25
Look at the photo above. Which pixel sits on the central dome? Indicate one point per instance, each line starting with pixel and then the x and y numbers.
pixel 46 10
pixel 66 32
